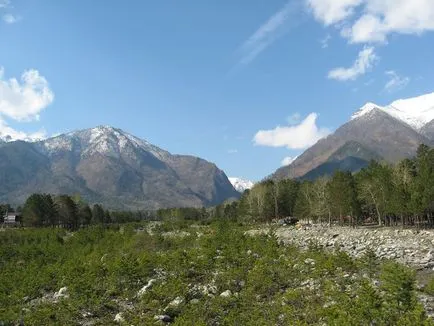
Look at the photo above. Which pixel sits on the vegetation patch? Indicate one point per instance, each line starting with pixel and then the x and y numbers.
pixel 213 274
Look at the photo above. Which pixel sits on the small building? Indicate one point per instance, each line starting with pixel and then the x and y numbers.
pixel 11 219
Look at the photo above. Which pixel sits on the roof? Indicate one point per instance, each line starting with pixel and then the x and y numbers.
pixel 10 219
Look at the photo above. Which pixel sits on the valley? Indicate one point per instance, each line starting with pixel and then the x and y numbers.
pixel 217 163
pixel 208 273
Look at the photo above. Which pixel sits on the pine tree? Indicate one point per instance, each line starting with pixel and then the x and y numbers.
pixel 343 196
pixel 33 211
pixel 68 212
pixel 85 214
pixel 375 189
pixel 98 214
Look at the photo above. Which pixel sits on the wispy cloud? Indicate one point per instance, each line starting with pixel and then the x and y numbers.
pixel 372 21
pixel 288 160
pixel 325 41
pixel 363 63
pixel 233 151
pixel 395 82
pixel 275 27
pixel 10 19
pixel 293 119
pixel 5 3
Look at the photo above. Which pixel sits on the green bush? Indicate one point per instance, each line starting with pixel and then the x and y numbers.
pixel 430 287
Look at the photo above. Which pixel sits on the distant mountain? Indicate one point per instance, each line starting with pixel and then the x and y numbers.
pixel 241 185
pixel 109 166
pixel 428 130
pixel 388 133
pixel 415 112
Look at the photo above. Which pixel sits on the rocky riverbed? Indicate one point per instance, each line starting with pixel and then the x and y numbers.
pixel 414 248
pixel 411 247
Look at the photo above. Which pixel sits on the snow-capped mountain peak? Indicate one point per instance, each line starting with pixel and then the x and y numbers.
pixel 416 111
pixel 241 185
pixel 105 140
pixel 366 109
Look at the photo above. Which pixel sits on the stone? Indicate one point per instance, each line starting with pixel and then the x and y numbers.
pixel 175 303
pixel 226 294
pixel 309 261
pixel 61 294
pixel 163 318
pixel 144 289
pixel 103 258
pixel 119 318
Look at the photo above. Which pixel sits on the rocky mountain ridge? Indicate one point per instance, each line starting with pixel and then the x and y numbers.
pixel 388 133
pixel 112 167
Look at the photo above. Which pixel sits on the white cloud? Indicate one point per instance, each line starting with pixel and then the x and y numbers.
pixel 288 160
pixel 7 133
pixel 367 29
pixel 23 100
pixel 294 118
pixel 299 136
pixel 10 19
pixel 364 62
pixel 395 81
pixel 268 33
pixel 372 21
pixel 384 17
pixel 4 3
pixel 232 151
pixel 331 12
pixel 325 41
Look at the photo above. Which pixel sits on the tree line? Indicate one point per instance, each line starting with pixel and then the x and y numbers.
pixel 71 212
pixel 401 194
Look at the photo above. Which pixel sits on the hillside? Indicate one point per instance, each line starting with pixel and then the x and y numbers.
pixel 109 166
pixel 385 133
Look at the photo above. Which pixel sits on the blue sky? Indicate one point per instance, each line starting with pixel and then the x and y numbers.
pixel 244 84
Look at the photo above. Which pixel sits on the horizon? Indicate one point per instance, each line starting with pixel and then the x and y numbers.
pixel 231 82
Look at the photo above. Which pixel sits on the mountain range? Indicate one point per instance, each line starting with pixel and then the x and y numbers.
pixel 109 166
pixel 384 133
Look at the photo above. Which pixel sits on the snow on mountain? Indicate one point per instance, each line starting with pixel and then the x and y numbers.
pixel 241 185
pixel 416 111
pixel 102 139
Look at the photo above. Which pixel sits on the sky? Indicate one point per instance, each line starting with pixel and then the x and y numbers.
pixel 245 84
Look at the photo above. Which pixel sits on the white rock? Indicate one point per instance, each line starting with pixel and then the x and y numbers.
pixel 226 294
pixel 103 258
pixel 62 293
pixel 119 318
pixel 144 289
pixel 176 302
pixel 163 318
pixel 309 261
